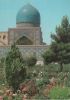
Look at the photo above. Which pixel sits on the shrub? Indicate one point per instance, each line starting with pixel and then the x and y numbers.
pixel 42 80
pixel 31 61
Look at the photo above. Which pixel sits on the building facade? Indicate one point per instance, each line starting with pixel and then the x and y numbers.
pixel 27 34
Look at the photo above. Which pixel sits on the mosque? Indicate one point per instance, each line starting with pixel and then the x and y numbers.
pixel 27 34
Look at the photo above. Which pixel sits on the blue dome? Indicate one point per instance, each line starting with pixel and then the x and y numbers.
pixel 28 14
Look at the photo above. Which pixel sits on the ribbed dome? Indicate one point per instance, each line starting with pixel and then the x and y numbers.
pixel 28 14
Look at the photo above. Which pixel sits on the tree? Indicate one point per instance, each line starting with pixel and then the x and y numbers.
pixel 60 46
pixel 15 70
pixel 48 56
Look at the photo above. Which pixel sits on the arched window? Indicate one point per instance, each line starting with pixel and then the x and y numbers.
pixel 4 37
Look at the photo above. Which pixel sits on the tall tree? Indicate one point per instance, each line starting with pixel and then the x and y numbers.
pixel 15 71
pixel 60 46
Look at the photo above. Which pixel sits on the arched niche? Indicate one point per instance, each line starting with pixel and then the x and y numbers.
pixel 24 41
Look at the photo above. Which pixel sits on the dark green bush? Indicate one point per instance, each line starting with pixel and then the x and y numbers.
pixel 31 61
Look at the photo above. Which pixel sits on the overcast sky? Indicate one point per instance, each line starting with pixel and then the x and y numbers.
pixel 51 12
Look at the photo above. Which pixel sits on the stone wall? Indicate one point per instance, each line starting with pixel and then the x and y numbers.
pixel 26 50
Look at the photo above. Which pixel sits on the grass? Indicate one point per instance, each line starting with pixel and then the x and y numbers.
pixel 59 93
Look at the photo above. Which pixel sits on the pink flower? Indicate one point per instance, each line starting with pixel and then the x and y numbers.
pixel 1 98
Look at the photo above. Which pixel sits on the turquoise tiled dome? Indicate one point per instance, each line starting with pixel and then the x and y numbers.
pixel 28 14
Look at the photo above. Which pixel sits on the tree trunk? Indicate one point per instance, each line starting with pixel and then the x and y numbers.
pixel 61 67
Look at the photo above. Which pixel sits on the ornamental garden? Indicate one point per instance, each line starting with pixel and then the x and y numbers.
pixel 24 79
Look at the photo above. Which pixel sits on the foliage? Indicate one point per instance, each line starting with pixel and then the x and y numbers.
pixel 2 71
pixel 40 97
pixel 18 97
pixel 48 56
pixel 42 79
pixel 59 93
pixel 59 50
pixel 15 71
pixel 31 60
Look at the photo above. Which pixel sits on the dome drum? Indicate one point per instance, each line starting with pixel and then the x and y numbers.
pixel 20 25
